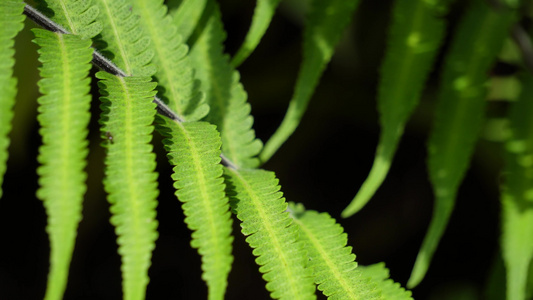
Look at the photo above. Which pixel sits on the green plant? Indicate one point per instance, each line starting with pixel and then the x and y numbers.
pixel 174 63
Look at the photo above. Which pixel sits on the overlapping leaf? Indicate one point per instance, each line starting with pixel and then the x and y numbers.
pixel 459 114
pixel 75 16
pixel 175 76
pixel 187 15
pixel 258 203
pixel 128 115
pixel 64 117
pixel 10 25
pixel 130 179
pixel 122 40
pixel 194 149
pixel 226 97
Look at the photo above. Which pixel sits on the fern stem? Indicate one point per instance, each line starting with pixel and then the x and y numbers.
pixel 108 66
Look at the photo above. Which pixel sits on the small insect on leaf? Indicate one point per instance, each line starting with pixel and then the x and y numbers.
pixel 109 137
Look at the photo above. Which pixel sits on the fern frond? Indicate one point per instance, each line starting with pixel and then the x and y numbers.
pixel 517 196
pixel 130 179
pixel 264 11
pixel 76 16
pixel 225 95
pixel 122 40
pixel 332 263
pixel 10 25
pixel 174 75
pixel 390 290
pixel 459 115
pixel 414 39
pixel 324 27
pixel 64 117
pixel 187 15
pixel 194 149
pixel 258 203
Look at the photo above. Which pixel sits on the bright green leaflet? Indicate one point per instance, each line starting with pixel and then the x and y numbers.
pixel 127 118
pixel 125 43
pixel 64 117
pixel 226 97
pixel 332 263
pixel 517 194
pixel 414 39
pixel 264 11
pixel 324 27
pixel 174 74
pixel 77 17
pixel 194 149
pixel 187 15
pixel 459 115
pixel 258 203
pixel 10 25
pixel 390 290
pixel 130 177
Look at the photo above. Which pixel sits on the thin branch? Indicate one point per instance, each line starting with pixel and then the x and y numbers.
pixel 108 66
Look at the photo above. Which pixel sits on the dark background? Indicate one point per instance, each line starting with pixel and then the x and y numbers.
pixel 321 166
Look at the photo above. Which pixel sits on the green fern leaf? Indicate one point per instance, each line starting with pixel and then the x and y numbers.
pixel 258 203
pixel 414 38
pixel 187 15
pixel 459 115
pixel 332 262
pixel 130 179
pixel 325 24
pixel 262 16
pixel 517 195
pixel 390 290
pixel 77 17
pixel 174 73
pixel 194 149
pixel 10 25
pixel 226 97
pixel 122 40
pixel 64 117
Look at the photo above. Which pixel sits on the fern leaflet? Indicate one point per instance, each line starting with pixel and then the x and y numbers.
pixel 332 263
pixel 258 203
pixel 517 194
pixel 415 35
pixel 122 40
pixel 10 25
pixel 262 16
pixel 194 149
pixel 226 97
pixel 64 117
pixel 174 74
pixel 459 115
pixel 75 16
pixel 187 15
pixel 130 181
pixel 390 290
pixel 325 24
